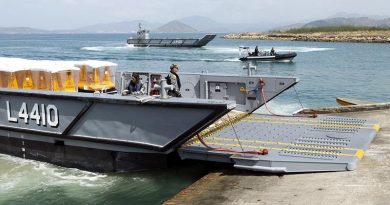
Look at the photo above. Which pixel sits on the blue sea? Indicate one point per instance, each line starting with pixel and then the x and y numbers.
pixel 325 70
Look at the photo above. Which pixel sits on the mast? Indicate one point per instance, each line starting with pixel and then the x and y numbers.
pixel 142 33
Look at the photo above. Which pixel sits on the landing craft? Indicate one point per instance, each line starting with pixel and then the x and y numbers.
pixel 84 121
pixel 142 39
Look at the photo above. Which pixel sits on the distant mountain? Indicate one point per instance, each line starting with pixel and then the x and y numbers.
pixel 21 30
pixel 200 23
pixel 175 27
pixel 356 15
pixel 360 21
pixel 385 23
pixel 340 21
pixel 204 24
pixel 207 25
pixel 288 27
pixel 187 24
pixel 116 27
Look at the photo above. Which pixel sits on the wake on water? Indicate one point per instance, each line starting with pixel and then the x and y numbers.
pixel 219 60
pixel 280 109
pixel 213 49
pixel 192 53
pixel 301 49
pixel 281 49
pixel 107 48
pixel 32 172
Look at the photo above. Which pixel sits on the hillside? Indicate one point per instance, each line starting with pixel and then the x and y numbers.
pixel 332 29
pixel 200 23
pixel 191 24
pixel 175 27
pixel 360 21
pixel 22 30
pixel 115 27
pixel 340 29
pixel 339 22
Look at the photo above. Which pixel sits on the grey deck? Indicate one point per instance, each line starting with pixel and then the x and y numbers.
pixel 295 144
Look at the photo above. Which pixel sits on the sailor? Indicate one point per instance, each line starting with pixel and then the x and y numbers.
pixel 256 53
pixel 173 79
pixel 272 51
pixel 135 85
pixel 249 52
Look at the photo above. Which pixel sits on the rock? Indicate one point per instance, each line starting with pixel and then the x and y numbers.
pixel 355 36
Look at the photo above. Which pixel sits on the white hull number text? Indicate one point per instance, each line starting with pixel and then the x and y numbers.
pixel 41 114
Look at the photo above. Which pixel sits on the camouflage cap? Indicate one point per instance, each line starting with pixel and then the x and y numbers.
pixel 174 66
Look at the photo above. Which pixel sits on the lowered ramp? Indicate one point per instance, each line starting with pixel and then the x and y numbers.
pixel 283 144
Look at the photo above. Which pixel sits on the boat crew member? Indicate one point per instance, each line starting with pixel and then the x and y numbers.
pixel 272 51
pixel 256 53
pixel 135 85
pixel 173 79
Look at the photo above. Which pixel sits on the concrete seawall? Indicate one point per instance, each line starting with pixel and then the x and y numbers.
pixel 368 184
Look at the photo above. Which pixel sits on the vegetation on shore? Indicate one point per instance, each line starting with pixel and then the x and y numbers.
pixel 333 29
pixel 324 34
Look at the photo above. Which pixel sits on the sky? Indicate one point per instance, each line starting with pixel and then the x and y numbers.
pixel 71 14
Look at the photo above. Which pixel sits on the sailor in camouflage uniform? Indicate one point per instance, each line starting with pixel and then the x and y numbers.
pixel 173 79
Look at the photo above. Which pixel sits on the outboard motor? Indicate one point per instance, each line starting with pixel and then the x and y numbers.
pixel 243 51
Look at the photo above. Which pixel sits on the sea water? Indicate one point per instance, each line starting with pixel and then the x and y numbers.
pixel 325 70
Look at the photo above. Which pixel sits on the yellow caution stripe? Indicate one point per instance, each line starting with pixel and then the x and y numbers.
pixel 358 154
pixel 314 124
pixel 376 127
pixel 225 122
pixel 300 119
pixel 286 144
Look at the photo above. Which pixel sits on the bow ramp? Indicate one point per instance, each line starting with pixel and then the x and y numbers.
pixel 283 144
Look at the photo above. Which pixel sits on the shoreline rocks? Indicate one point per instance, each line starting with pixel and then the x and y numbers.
pixel 353 36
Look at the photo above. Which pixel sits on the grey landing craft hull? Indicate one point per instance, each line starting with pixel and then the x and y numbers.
pixel 109 133
pixel 100 133
pixel 164 42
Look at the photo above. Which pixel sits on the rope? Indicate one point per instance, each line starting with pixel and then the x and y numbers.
pixel 258 152
pixel 261 85
pixel 235 133
pixel 299 99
